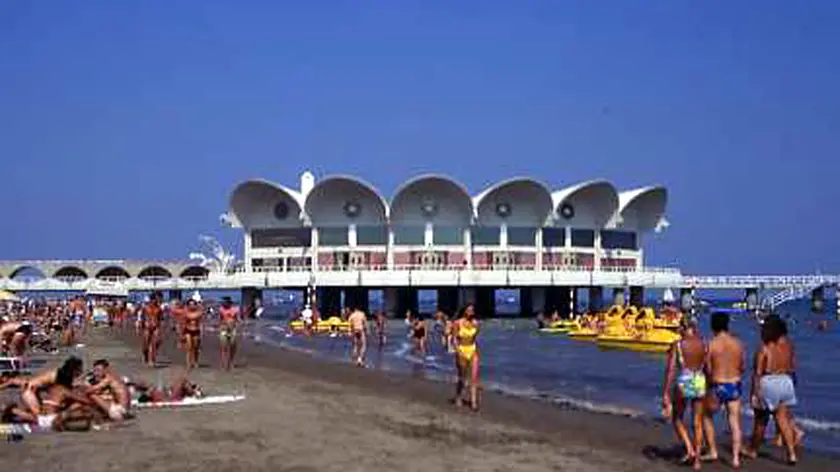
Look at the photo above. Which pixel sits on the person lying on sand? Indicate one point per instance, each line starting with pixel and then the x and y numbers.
pixel 180 389
pixel 109 392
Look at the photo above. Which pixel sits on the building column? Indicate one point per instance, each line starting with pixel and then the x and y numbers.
pixel 538 299
pixel 351 235
pixel 837 300
pixel 176 295
pixel 751 298
pixel 538 244
pixel 599 251
pixel 247 251
pixel 485 302
pixel 618 296
pixel 250 296
pixel 526 302
pixel 564 301
pixel 391 302
pixel 503 235
pixel 329 301
pixel 637 296
pixel 406 300
pixel 554 300
pixel 466 296
pixel 389 255
pixel 314 249
pixel 447 300
pixel 596 299
pixel 429 235
pixel 818 300
pixel 468 247
pixel 356 297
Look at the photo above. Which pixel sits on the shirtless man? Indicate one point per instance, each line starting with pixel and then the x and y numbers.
pixel 152 320
pixel 192 332
pixel 229 318
pixel 725 364
pixel 358 328
pixel 14 337
pixel 379 323
pixel 685 364
pixel 178 312
pixel 109 393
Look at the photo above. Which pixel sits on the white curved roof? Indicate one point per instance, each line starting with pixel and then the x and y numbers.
pixel 252 203
pixel 594 203
pixel 327 201
pixel 641 209
pixel 448 200
pixel 527 199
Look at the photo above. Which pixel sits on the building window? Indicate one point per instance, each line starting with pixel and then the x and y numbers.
pixel 486 236
pixel 618 240
pixel 554 237
pixel 291 237
pixel 371 235
pixel 409 235
pixel 583 238
pixel 448 235
pixel 333 236
pixel 521 236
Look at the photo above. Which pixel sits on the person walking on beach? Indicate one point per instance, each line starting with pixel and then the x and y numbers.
pixel 177 312
pixel 773 391
pixel 465 333
pixel 229 319
pixel 152 320
pixel 726 365
pixel 685 364
pixel 379 322
pixel 192 332
pixel 358 328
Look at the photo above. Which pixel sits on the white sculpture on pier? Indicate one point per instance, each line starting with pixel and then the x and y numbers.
pixel 213 256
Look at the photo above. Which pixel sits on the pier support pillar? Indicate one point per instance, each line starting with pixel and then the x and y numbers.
pixel 485 302
pixel 687 300
pixel 837 300
pixel 637 296
pixel 251 296
pixel 564 301
pixel 553 300
pixel 596 299
pixel 447 300
pixel 176 295
pixel 391 302
pixel 818 300
pixel 752 299
pixel 466 296
pixel 526 302
pixel 356 297
pixel 538 299
pixel 329 301
pixel 407 300
pixel 618 296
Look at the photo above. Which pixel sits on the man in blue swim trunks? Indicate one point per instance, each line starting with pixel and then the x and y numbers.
pixel 726 365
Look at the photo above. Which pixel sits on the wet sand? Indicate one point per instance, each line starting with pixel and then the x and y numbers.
pixel 302 414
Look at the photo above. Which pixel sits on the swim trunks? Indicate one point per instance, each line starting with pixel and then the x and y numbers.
pixel 226 335
pixel 116 412
pixel 692 384
pixel 45 422
pixel 727 391
pixel 777 390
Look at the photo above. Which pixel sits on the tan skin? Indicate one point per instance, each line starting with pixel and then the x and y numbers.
pixel 152 320
pixel 67 404
pixel 725 363
pixel 421 342
pixel 774 358
pixel 192 332
pixel 467 368
pixel 358 327
pixel 379 326
pixel 178 311
pixel 228 322
pixel 694 357
pixel 108 389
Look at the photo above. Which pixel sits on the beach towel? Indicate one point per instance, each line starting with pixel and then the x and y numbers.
pixel 211 400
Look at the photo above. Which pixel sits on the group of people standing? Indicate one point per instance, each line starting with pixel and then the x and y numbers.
pixel 706 377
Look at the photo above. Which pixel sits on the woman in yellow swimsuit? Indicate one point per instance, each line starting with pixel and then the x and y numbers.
pixel 465 332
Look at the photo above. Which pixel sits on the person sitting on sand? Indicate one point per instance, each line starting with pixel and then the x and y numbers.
pixel 228 326
pixel 358 328
pixel 685 364
pixel 192 332
pixel 66 375
pixel 773 391
pixel 726 365
pixel 465 332
pixel 109 392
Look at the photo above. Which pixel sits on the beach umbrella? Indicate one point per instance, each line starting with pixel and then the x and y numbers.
pixel 6 296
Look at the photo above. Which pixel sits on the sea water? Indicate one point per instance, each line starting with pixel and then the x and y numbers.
pixel 517 360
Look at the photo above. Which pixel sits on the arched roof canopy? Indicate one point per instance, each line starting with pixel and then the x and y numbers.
pixel 263 204
pixel 154 272
pixel 641 209
pixel 70 272
pixel 27 273
pixel 113 272
pixel 195 272
pixel 591 204
pixel 519 201
pixel 432 198
pixel 342 200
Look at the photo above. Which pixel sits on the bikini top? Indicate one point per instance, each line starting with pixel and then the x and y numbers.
pixel 466 332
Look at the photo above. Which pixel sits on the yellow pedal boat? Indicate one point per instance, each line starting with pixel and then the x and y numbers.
pixel 638 333
pixel 330 325
pixel 560 327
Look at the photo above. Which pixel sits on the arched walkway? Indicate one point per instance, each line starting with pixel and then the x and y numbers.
pixel 195 272
pixel 70 273
pixel 154 272
pixel 113 273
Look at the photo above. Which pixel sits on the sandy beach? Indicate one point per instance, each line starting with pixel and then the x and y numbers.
pixel 302 414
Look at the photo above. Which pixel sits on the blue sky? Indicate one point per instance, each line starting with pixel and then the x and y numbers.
pixel 125 125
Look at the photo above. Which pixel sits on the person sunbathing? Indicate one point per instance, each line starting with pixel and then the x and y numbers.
pixel 108 391
pixel 180 389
